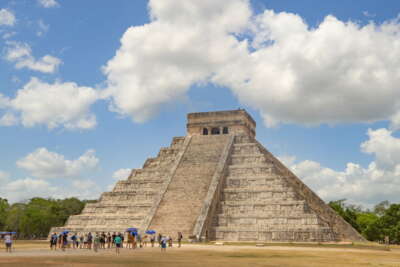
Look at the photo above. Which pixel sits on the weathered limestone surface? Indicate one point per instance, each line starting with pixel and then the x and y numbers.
pixel 188 188
pixel 216 183
pixel 260 204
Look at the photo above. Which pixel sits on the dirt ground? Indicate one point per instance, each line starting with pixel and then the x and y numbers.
pixel 28 253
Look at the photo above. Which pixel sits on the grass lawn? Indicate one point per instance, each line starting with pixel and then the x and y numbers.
pixel 36 253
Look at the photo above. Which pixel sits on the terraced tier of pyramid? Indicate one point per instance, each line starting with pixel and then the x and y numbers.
pixel 216 183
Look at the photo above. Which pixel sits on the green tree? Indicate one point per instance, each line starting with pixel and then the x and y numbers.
pixel 14 218
pixel 349 213
pixel 367 223
pixel 4 208
pixel 389 223
pixel 381 207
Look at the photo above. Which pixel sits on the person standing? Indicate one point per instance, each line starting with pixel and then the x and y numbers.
pixel 130 240
pixel 180 236
pixel 85 241
pixel 113 238
pixel 8 242
pixel 90 240
pixel 81 243
pixel 159 239
pixel 117 242
pixel 74 241
pixel 64 241
pixel 170 241
pixel 103 240
pixel 139 240
pixel 96 243
pixel 163 242
pixel 60 240
pixel 109 240
pixel 53 241
pixel 122 239
pixel 152 240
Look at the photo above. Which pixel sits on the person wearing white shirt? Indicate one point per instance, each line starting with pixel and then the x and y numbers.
pixel 8 242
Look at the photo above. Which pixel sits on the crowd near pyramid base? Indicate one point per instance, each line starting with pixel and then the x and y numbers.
pixel 216 183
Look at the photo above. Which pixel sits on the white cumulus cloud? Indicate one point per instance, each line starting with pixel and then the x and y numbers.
pixel 46 164
pixel 48 3
pixel 55 105
pixel 379 181
pixel 21 55
pixel 291 72
pixel 184 44
pixel 7 17
pixel 24 189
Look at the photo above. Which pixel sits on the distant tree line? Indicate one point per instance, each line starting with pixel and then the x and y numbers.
pixel 33 219
pixel 383 220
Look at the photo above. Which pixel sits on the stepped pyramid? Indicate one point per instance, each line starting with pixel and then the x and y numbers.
pixel 216 183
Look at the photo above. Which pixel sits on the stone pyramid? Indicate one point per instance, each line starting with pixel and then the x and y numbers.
pixel 216 183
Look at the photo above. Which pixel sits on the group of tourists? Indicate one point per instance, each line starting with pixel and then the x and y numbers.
pixel 96 241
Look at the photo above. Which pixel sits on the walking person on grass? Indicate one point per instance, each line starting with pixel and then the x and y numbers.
pixel 164 241
pixel 96 242
pixel 8 242
pixel 180 236
pixel 117 242
pixel 53 241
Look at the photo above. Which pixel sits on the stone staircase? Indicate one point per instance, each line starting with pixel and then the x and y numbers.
pixel 184 198
pixel 257 204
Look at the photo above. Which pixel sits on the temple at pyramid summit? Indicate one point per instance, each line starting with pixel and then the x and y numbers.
pixel 216 183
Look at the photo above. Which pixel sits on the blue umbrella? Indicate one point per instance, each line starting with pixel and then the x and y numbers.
pixel 150 232
pixel 131 230
pixel 65 232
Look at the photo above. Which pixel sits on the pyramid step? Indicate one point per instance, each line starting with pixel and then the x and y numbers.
pixel 146 184
pixel 272 228
pixel 244 159
pixel 177 142
pixel 241 211
pixel 280 235
pixel 237 196
pixel 274 218
pixel 260 189
pixel 246 148
pixel 236 182
pixel 243 139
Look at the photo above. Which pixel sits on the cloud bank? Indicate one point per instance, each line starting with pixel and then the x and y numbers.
pixel 46 164
pixel 52 175
pixel 61 104
pixel 274 62
pixel 379 181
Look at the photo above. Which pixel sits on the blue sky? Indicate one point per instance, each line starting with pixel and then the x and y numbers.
pixel 90 89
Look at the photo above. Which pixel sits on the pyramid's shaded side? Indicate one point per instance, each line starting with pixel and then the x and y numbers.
pixel 261 200
pixel 216 183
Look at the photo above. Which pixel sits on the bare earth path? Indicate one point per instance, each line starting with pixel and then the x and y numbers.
pixel 37 254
